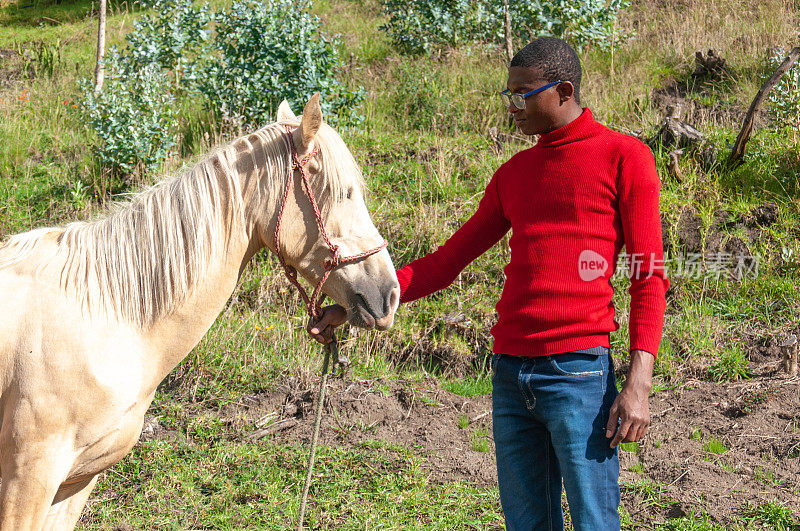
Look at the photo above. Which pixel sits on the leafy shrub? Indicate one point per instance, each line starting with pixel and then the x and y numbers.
pixel 783 103
pixel 419 26
pixel 269 51
pixel 261 53
pixel 134 115
pixel 583 22
pixel 174 37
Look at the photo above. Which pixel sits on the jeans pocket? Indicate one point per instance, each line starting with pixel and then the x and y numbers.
pixel 578 364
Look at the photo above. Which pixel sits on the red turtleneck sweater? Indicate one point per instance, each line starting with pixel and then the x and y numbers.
pixel 571 201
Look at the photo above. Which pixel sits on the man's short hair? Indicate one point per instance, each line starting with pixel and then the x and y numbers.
pixel 555 59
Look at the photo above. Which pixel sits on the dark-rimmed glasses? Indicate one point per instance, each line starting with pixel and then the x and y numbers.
pixel 518 100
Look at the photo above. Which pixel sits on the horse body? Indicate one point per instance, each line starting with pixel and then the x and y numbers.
pixel 85 336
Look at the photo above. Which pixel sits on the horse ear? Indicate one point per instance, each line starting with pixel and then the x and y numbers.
pixel 311 120
pixel 285 112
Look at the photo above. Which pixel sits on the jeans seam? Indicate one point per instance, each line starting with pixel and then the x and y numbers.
pixel 574 374
pixel 547 485
pixel 523 386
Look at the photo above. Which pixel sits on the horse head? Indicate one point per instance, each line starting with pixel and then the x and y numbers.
pixel 367 285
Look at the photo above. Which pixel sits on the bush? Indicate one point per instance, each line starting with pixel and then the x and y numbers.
pixel 261 53
pixel 419 26
pixel 175 37
pixel 269 51
pixel 134 115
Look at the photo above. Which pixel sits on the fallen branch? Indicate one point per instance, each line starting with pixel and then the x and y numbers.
pixel 284 424
pixel 737 154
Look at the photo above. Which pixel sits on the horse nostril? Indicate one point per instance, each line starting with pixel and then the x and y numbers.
pixel 393 300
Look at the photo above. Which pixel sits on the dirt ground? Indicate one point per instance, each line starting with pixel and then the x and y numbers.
pixel 757 421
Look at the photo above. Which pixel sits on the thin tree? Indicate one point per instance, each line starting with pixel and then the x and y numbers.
pixel 507 31
pixel 99 70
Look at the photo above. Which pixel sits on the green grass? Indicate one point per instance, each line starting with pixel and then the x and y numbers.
pixel 631 447
pixel 731 365
pixel 479 440
pixel 229 485
pixel 776 516
pixel 651 493
pixel 715 446
pixel 767 476
pixel 481 385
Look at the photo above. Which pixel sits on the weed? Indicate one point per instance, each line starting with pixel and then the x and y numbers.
pixel 652 493
pixel 715 446
pixel 632 447
pixel 694 521
pixel 767 477
pixel 479 439
pixel 732 365
pixel 774 515
pixel 463 421
pixel 475 386
pixel 637 468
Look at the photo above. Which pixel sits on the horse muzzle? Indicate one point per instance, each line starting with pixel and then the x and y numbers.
pixel 374 307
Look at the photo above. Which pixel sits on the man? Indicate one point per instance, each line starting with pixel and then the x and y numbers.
pixel 571 202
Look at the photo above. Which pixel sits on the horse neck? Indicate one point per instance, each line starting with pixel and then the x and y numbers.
pixel 174 335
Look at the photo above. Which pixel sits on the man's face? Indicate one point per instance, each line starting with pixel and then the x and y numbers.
pixel 540 114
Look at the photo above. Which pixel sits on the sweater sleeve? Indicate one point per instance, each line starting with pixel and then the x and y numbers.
pixel 437 270
pixel 638 188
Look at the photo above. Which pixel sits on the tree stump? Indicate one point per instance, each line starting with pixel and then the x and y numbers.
pixel 789 347
pixel 709 65
pixel 675 133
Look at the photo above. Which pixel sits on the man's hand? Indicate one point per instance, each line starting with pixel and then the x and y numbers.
pixel 632 408
pixel 332 316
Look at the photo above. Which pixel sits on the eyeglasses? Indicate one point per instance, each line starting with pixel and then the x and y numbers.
pixel 518 100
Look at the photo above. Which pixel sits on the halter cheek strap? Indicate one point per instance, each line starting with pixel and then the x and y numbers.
pixel 336 259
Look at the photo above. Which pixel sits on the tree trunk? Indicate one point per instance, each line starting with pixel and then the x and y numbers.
pixel 99 70
pixel 737 154
pixel 507 27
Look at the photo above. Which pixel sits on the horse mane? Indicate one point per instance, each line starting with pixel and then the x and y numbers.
pixel 146 256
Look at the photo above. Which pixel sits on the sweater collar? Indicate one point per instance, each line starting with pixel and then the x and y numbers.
pixel 577 129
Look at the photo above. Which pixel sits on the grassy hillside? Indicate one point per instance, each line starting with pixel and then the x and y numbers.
pixel 427 154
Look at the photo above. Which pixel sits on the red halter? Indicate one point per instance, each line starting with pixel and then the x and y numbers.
pixel 336 259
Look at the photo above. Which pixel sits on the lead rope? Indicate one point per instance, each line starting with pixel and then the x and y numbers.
pixel 330 348
pixel 313 302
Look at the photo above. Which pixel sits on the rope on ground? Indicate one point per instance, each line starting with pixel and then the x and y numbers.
pixel 331 348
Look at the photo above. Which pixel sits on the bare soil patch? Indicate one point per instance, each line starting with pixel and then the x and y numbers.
pixel 422 416
pixel 757 422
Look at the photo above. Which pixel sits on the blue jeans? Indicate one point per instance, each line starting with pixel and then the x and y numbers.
pixel 549 416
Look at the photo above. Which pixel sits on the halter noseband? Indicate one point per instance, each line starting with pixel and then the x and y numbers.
pixel 336 259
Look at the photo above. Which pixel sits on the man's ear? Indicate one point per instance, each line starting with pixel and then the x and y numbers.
pixel 285 112
pixel 566 91
pixel 310 123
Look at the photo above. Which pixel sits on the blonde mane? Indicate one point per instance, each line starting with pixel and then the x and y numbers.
pixel 147 256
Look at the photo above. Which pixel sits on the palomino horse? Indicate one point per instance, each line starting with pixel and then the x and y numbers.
pixel 94 315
